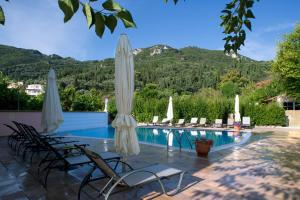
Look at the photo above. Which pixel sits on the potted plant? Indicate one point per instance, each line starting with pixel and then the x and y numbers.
pixel 237 126
pixel 203 146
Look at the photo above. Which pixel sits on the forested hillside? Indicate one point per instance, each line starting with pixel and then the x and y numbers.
pixel 184 70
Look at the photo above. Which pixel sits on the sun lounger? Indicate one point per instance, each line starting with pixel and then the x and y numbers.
pixel 246 122
pixel 180 122
pixel 155 120
pixel 165 121
pixel 194 121
pixel 230 122
pixel 218 123
pixel 202 122
pixel 132 178
pixel 67 160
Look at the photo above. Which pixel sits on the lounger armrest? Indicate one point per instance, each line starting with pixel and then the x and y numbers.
pixel 119 161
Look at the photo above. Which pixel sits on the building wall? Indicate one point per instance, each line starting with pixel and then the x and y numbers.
pixel 294 117
pixel 72 120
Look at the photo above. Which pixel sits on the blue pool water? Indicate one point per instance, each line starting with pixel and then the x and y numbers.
pixel 159 136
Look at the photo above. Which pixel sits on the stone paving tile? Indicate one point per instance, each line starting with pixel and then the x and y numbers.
pixel 267 167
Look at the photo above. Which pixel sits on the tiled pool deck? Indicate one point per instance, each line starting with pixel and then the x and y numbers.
pixel 267 167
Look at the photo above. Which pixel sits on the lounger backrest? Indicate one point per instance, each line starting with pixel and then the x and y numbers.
pixel 194 120
pixel 100 163
pixel 229 121
pixel 22 131
pixel 180 121
pixel 155 119
pixel 218 121
pixel 202 121
pixel 165 120
pixel 246 121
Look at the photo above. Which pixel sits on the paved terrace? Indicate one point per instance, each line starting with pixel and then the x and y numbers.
pixel 268 167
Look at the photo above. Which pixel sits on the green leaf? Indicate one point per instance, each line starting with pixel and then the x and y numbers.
pixel 247 24
pixel 111 6
pixel 111 22
pixel 126 18
pixel 88 12
pixel 69 7
pixel 249 14
pixel 226 11
pixel 99 22
pixel 2 16
pixel 249 3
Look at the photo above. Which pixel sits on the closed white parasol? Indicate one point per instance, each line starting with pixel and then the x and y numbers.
pixel 126 141
pixel 52 115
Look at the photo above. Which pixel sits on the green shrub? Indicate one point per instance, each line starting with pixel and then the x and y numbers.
pixel 270 114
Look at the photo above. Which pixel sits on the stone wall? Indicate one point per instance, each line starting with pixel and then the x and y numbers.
pixel 293 117
pixel 72 120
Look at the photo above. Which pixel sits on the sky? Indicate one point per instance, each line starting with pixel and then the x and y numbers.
pixel 38 24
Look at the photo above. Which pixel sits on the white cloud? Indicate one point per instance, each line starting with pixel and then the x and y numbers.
pixel 260 46
pixel 41 27
pixel 275 28
pixel 258 50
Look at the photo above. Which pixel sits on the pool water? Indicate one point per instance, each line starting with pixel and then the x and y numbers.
pixel 159 136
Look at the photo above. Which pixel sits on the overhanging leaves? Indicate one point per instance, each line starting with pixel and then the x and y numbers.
pixel 89 14
pixel 2 16
pixel 126 18
pixel 235 17
pixel 111 22
pixel 69 7
pixel 99 24
pixel 111 6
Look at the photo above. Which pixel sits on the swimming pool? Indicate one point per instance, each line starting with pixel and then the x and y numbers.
pixel 171 136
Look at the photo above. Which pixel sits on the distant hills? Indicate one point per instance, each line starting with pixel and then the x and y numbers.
pixel 183 70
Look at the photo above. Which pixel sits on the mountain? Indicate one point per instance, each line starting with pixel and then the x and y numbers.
pixel 187 69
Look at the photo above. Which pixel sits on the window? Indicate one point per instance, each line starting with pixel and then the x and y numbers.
pixel 291 105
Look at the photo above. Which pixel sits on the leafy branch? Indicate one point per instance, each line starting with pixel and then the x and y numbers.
pixel 107 16
pixel 236 16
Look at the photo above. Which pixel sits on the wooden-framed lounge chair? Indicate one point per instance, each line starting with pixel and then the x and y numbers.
pixel 155 120
pixel 194 121
pixel 202 121
pixel 246 122
pixel 133 178
pixel 230 122
pixel 218 123
pixel 180 122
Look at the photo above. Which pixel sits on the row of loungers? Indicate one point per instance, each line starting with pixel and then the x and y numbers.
pixel 56 152
pixel 202 122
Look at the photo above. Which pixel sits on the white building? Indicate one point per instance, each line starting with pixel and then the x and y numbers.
pixel 15 85
pixel 34 89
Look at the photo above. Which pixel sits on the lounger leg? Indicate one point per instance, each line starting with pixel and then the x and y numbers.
pixel 178 188
pixel 85 180
pixel 42 161
pixel 48 172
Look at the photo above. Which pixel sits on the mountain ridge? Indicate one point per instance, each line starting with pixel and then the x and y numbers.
pixel 185 69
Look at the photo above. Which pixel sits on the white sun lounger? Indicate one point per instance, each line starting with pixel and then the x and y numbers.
pixel 246 122
pixel 218 123
pixel 155 120
pixel 202 121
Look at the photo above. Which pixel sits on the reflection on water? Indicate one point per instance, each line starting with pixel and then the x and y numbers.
pixel 159 136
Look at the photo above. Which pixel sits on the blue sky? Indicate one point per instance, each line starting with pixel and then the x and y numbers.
pixel 37 24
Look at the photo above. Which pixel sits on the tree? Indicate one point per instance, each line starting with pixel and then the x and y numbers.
pixel 235 17
pixel 287 63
